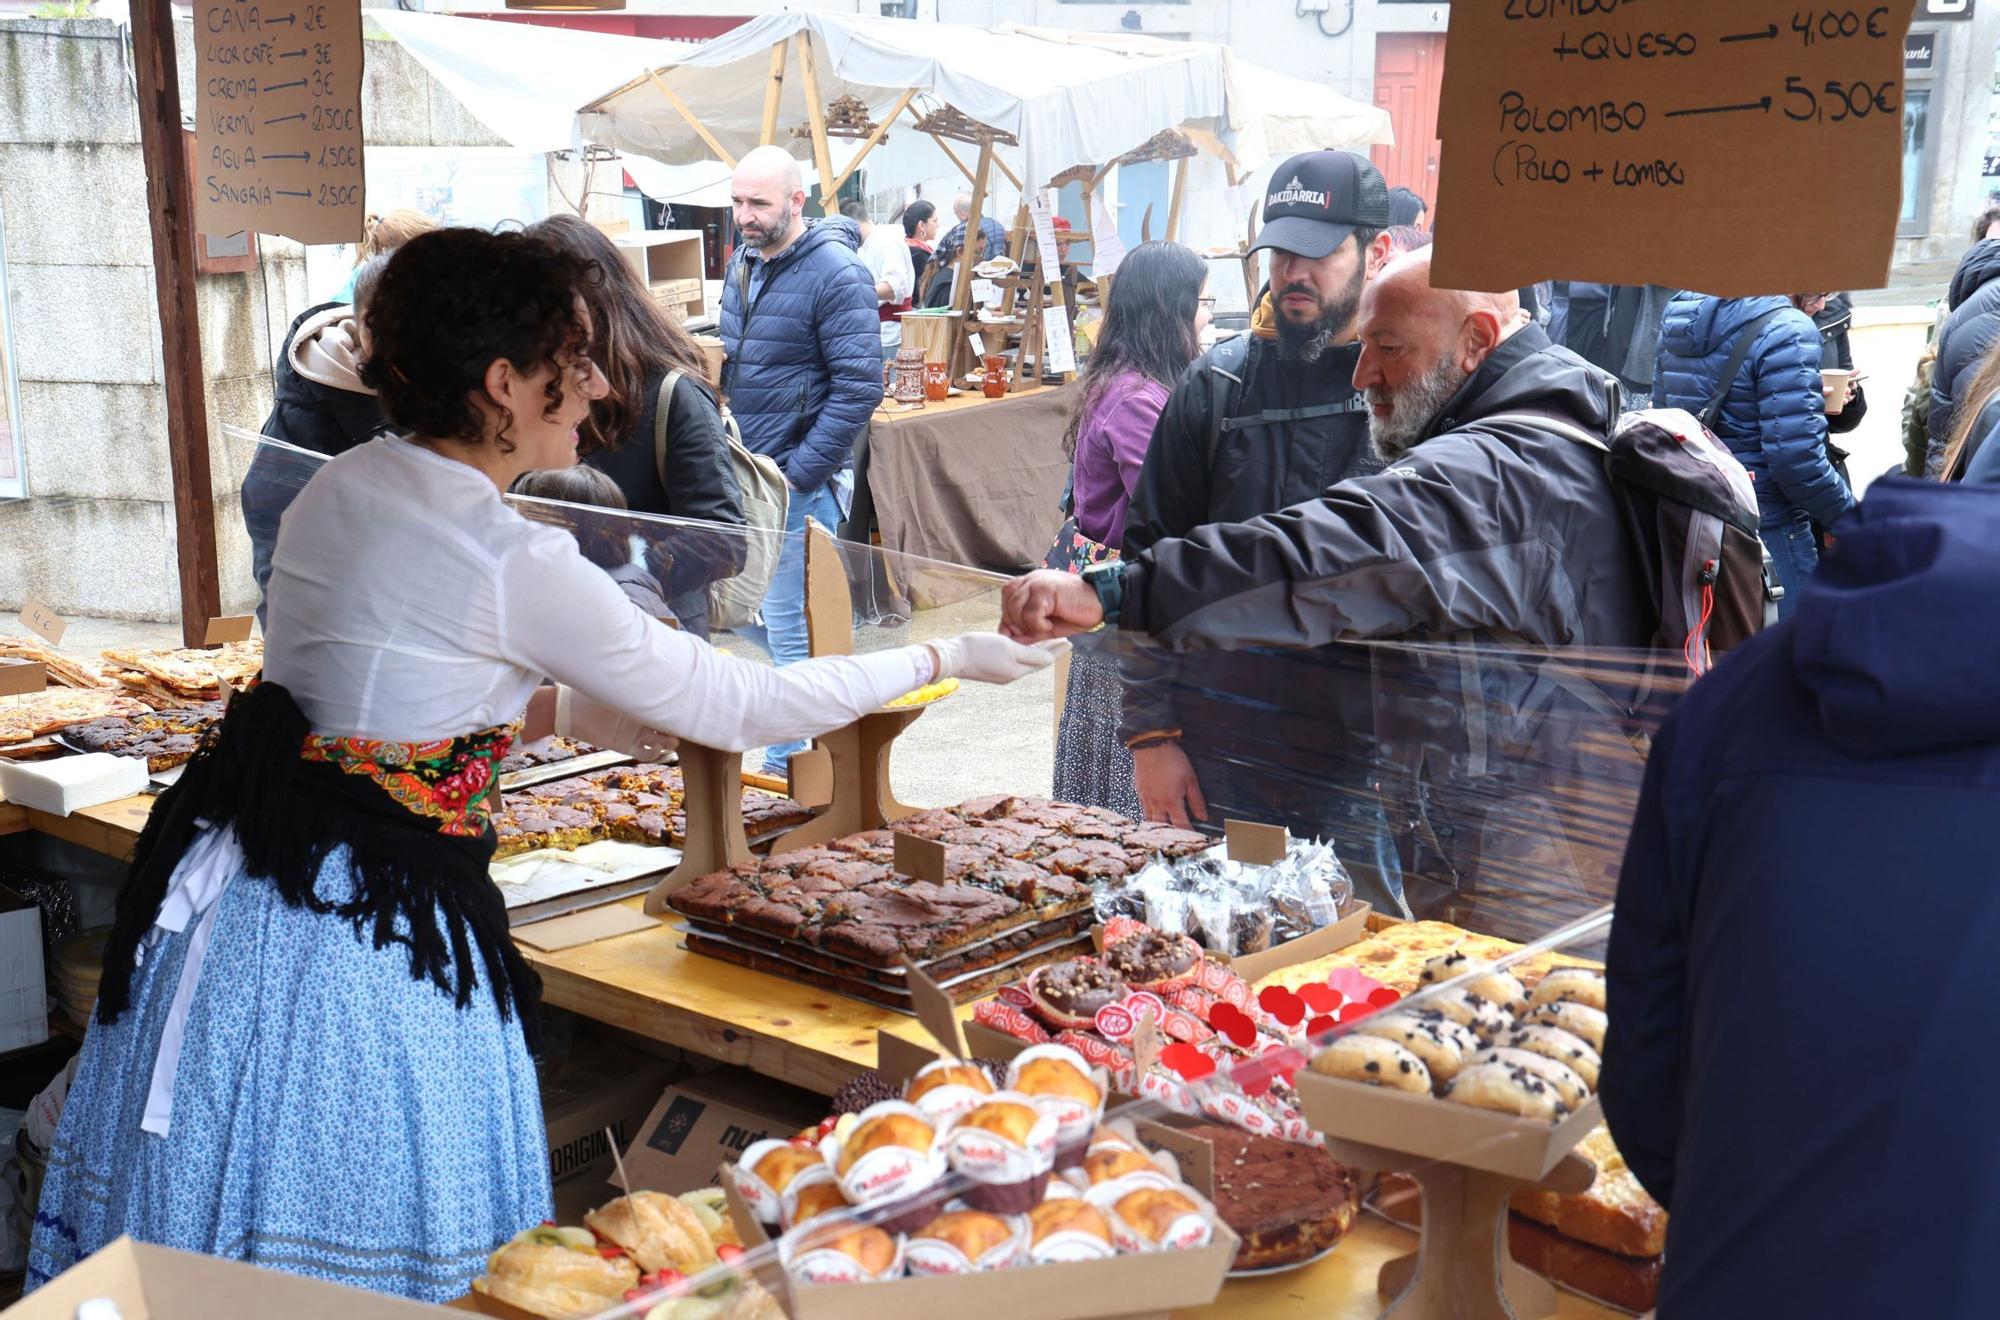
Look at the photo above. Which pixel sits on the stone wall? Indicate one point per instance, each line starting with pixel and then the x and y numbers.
pixel 96 535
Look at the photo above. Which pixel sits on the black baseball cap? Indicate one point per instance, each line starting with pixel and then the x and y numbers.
pixel 1316 200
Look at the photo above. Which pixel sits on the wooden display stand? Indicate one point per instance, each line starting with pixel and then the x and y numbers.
pixel 1461 1269
pixel 712 782
pixel 847 772
pixel 1468 1162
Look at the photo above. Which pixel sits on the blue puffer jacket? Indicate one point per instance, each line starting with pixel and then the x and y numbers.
pixel 804 367
pixel 1774 418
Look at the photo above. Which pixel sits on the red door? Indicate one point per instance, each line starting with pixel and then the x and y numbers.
pixel 1409 74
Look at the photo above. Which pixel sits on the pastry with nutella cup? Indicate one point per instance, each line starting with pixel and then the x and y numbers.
pixel 767 1169
pixel 1057 1081
pixel 1006 1147
pixel 947 1089
pixel 1107 1138
pixel 813 1197
pixel 840 1250
pixel 1153 960
pixel 1152 1218
pixel 1066 1228
pixel 967 1242
pixel 1112 1164
pixel 1068 994
pixel 891 1159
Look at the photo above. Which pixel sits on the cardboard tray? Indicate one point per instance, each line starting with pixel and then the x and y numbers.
pixel 1155 1283
pixel 1429 1130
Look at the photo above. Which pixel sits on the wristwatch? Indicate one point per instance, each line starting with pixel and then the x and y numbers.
pixel 1108 581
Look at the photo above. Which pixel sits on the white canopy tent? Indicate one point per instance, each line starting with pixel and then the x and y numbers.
pixel 1063 105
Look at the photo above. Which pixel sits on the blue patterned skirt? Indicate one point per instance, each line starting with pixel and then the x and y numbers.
pixel 331 1116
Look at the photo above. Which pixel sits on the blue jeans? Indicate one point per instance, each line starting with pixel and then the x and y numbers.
pixel 1794 553
pixel 783 636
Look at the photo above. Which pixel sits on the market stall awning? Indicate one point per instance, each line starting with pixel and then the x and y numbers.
pixel 1267 115
pixel 1064 103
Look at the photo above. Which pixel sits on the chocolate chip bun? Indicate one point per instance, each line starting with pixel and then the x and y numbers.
pixel 1442 1044
pixel 1564 1047
pixel 1577 1019
pixel 1508 1089
pixel 1374 1060
pixel 1568 1082
pixel 1577 985
pixel 1481 1016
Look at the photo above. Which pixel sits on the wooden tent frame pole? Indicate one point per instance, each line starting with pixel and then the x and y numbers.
pixel 681 107
pixel 1179 196
pixel 774 92
pixel 961 294
pixel 816 119
pixel 868 143
pixel 170 205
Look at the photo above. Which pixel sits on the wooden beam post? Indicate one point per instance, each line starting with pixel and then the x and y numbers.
pixel 816 118
pixel 674 100
pixel 774 90
pixel 868 143
pixel 1174 202
pixel 170 204
pixel 961 294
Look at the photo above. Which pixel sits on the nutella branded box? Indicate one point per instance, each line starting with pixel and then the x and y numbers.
pixel 707 1120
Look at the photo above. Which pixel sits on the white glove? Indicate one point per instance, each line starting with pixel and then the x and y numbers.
pixel 588 720
pixel 987 657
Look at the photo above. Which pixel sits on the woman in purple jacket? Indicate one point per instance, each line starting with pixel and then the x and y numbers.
pixel 1150 334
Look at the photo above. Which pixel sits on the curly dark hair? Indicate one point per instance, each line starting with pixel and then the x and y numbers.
pixel 453 300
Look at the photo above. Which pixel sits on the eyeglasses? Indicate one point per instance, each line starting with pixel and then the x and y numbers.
pixel 1206 302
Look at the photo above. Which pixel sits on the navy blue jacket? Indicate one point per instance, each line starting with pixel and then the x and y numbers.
pixel 1970 329
pixel 1802 976
pixel 804 366
pixel 1774 418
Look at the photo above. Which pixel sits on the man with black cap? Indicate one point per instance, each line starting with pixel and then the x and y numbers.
pixel 1258 423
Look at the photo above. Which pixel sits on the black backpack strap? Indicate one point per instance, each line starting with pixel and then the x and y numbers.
pixel 1228 362
pixel 1273 416
pixel 1739 353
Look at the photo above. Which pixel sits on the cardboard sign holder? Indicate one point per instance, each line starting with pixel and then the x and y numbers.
pixel 712 782
pixel 1467 1163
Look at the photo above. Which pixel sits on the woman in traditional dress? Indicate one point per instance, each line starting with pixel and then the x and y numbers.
pixel 311 1047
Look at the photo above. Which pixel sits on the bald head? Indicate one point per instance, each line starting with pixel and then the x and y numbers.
pixel 1419 346
pixel 767 196
pixel 961 206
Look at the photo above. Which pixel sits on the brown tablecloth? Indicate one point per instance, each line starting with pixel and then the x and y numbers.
pixel 972 480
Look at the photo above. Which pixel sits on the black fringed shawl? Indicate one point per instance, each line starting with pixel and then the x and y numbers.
pixel 413 817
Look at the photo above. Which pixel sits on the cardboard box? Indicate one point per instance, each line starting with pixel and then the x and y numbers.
pixel 147 1282
pixel 1429 1130
pixel 1154 1283
pixel 708 1120
pixel 604 1086
pixel 1254 967
pixel 24 992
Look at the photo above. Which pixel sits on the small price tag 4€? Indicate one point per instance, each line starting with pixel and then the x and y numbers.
pixel 43 622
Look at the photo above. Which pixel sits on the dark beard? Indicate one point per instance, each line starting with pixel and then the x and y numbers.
pixel 1308 343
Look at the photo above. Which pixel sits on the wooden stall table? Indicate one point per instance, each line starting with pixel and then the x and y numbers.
pixel 971 480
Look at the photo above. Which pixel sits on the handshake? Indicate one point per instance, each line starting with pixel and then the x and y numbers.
pixel 1047 604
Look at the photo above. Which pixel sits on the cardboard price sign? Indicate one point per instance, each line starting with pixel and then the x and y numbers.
pixel 1611 141
pixel 18 677
pixel 43 622
pixel 226 628
pixel 278 119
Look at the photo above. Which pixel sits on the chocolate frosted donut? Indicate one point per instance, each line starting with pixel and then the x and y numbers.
pixel 1153 959
pixel 1070 993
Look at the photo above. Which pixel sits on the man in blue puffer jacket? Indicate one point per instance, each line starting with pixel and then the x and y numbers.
pixel 802 371
pixel 1773 418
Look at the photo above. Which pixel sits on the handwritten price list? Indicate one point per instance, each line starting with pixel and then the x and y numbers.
pixel 1638 141
pixel 278 137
